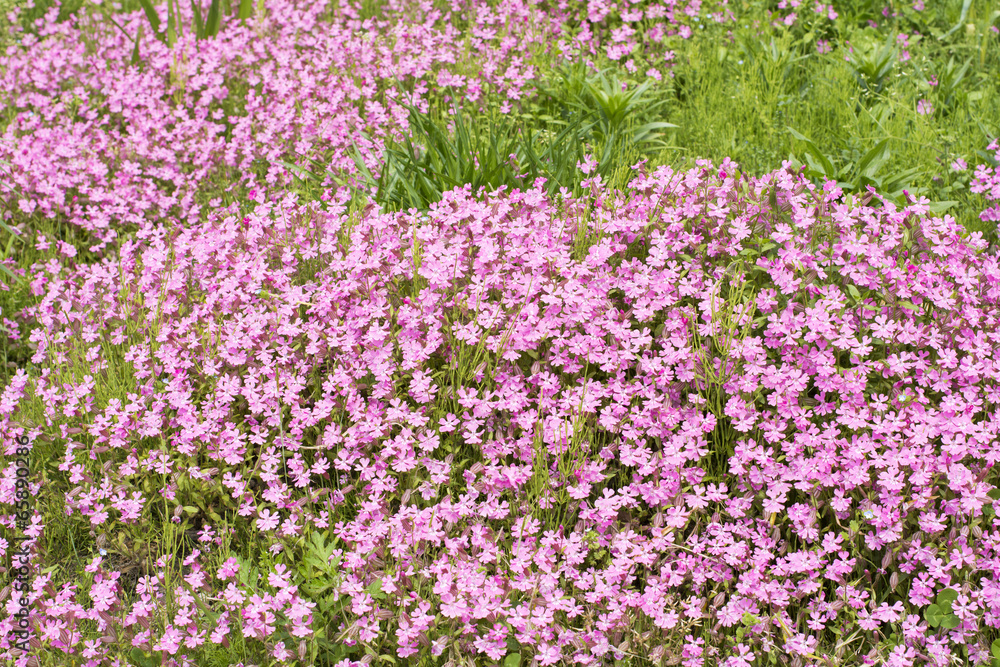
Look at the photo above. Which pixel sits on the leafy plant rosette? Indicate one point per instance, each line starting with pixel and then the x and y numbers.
pixel 740 401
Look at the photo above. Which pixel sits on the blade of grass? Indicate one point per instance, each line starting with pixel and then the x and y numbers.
pixel 961 20
pixel 213 20
pixel 135 49
pixel 154 19
pixel 199 23
pixel 873 160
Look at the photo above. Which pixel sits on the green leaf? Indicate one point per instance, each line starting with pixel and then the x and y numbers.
pixel 375 589
pixel 995 649
pixel 246 9
pixel 199 23
pixel 909 306
pixel 9 273
pixel 154 19
pixel 648 128
pixel 143 659
pixel 814 151
pixel 213 19
pixel 961 19
pixel 946 597
pixel 135 49
pixel 933 615
pixel 854 292
pixel 171 24
pixel 873 160
pixel 939 207
pixel 512 660
pixel 950 621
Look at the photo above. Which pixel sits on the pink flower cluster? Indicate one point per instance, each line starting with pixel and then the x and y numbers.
pixel 102 145
pixel 292 348
pixel 987 183
pixel 500 408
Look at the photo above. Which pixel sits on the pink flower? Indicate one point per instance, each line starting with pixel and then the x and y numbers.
pixel 170 641
pixel 228 569
pixel 924 108
pixel 267 521
pixel 588 164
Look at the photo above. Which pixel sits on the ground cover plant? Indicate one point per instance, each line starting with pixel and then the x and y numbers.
pixel 500 333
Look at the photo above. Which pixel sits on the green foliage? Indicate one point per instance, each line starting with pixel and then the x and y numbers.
pixel 940 614
pixel 608 108
pixel 494 150
pixel 856 175
pixel 951 90
pixel 775 62
pixel 431 159
pixel 209 26
pixel 142 658
pixel 872 64
pixel 318 565
pixel 578 114
pixel 735 96
pixel 616 104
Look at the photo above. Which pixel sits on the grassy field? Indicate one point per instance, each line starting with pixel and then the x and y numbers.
pixel 500 332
